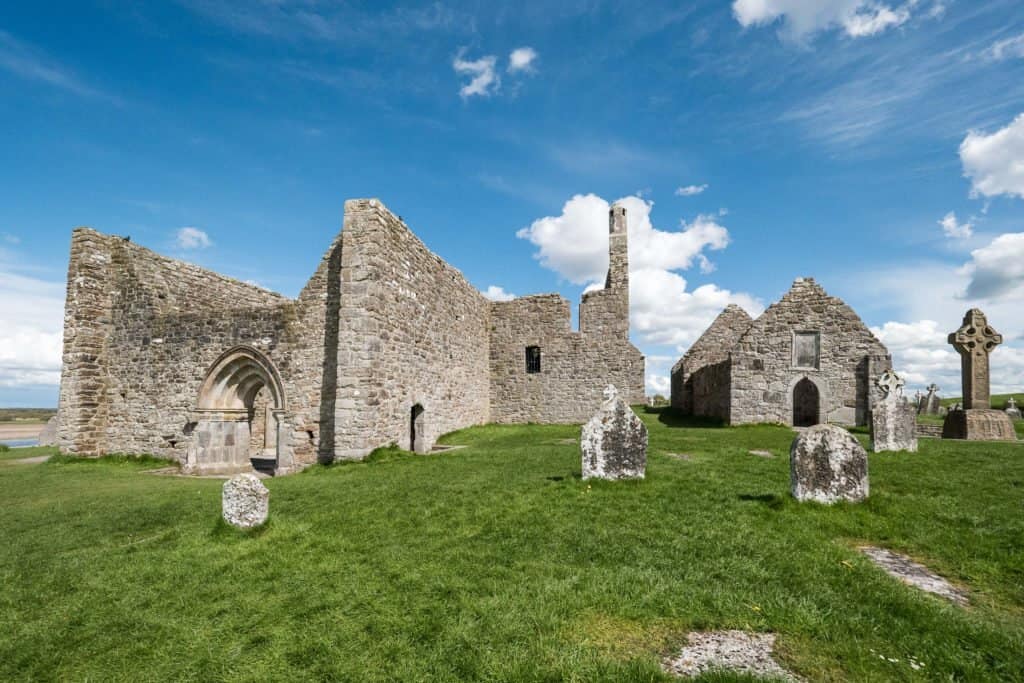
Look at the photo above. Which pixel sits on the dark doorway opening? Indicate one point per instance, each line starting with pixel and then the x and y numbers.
pixel 806 402
pixel 416 429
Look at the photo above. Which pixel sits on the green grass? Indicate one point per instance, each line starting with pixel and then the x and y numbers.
pixel 496 562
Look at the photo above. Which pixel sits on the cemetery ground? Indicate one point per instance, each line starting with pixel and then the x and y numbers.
pixel 496 562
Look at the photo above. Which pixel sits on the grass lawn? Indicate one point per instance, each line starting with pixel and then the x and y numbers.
pixel 495 562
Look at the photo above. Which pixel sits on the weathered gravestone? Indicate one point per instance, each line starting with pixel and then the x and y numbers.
pixel 614 441
pixel 976 420
pixel 929 403
pixel 828 465
pixel 1012 410
pixel 893 420
pixel 245 501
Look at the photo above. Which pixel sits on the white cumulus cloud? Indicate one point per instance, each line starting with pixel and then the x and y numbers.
pixel 997 269
pixel 483 78
pixel 856 18
pixel 690 190
pixel 495 293
pixel 954 228
pixel 31 331
pixel 521 60
pixel 995 162
pixel 575 243
pixel 192 238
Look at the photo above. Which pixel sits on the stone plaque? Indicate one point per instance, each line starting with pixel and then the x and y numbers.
pixel 806 349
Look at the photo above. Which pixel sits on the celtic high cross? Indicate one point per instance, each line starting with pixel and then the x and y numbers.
pixel 974 341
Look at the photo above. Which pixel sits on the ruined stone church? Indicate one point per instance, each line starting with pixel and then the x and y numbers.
pixel 808 359
pixel 386 344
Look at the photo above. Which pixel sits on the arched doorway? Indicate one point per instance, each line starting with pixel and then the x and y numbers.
pixel 238 415
pixel 806 404
pixel 416 433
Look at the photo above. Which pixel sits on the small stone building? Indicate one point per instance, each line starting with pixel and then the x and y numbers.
pixel 385 344
pixel 808 359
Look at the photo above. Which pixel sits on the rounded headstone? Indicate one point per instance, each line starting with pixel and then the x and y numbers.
pixel 828 465
pixel 245 501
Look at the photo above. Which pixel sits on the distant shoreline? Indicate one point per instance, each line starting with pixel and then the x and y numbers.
pixel 20 430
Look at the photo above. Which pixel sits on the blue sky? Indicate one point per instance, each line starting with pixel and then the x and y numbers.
pixel 873 145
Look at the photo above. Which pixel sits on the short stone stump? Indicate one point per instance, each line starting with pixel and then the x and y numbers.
pixel 245 501
pixel 828 465
pixel 978 424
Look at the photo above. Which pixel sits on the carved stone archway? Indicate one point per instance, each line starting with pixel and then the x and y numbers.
pixel 242 389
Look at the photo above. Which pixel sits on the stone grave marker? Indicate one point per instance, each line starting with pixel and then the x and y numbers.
pixel 828 465
pixel 893 420
pixel 976 420
pixel 245 501
pixel 1012 410
pixel 614 442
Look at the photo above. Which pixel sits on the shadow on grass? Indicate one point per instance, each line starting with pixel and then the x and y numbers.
pixel 225 532
pixel 771 500
pixel 670 417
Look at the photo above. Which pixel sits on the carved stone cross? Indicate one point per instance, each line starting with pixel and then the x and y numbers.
pixel 974 341
pixel 933 388
pixel 891 384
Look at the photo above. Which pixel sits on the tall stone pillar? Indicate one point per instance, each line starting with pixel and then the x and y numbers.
pixel 974 341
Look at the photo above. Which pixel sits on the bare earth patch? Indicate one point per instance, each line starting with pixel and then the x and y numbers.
pixel 762 453
pixel 914 574
pixel 34 460
pixel 680 456
pixel 738 651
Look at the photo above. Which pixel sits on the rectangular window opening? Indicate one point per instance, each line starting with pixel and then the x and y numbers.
pixel 532 359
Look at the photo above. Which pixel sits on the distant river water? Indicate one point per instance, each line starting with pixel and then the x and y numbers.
pixel 20 443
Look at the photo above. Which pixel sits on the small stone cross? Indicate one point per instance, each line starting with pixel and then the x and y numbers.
pixel 891 384
pixel 933 389
pixel 974 341
pixel 1011 403
pixel 610 393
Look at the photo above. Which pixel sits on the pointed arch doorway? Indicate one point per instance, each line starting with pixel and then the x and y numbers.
pixel 238 419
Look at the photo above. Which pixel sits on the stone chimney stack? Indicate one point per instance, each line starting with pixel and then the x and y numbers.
pixel 618 250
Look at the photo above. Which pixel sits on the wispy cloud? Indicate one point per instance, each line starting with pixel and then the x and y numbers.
pixel 1007 48
pixel 521 60
pixel 690 190
pixel 30 64
pixel 483 78
pixel 192 238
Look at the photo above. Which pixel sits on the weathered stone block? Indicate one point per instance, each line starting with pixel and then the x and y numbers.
pixel 245 501
pixel 978 424
pixel 614 441
pixel 828 465
pixel 894 426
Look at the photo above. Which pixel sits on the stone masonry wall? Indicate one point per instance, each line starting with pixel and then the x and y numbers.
pixel 141 333
pixel 763 375
pixel 575 366
pixel 413 331
pixel 711 398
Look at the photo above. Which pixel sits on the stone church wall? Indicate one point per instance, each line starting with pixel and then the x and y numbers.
pixel 141 332
pixel 763 374
pixel 413 331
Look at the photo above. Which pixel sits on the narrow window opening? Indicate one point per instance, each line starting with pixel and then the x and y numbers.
pixel 532 359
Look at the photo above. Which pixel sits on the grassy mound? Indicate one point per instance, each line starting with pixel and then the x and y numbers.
pixel 496 562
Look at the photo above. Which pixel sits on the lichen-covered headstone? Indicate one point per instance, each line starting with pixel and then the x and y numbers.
pixel 614 441
pixel 828 465
pixel 245 501
pixel 893 419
